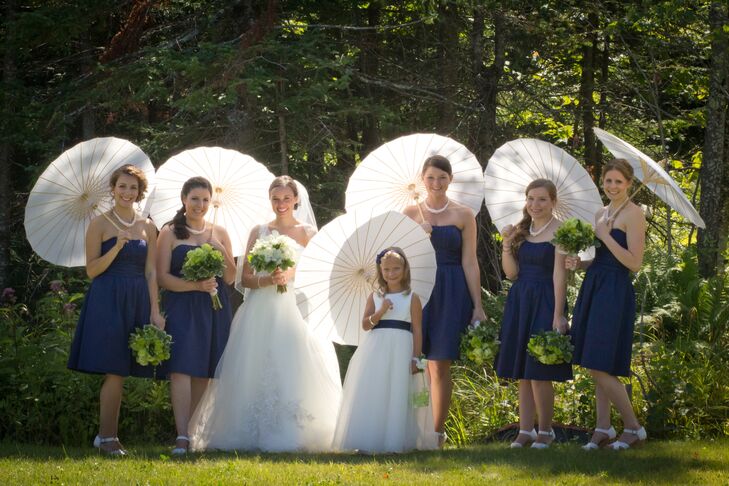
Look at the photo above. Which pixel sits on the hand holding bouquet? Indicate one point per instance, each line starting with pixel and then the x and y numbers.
pixel 574 236
pixel 204 263
pixel 150 345
pixel 551 347
pixel 271 253
pixel 480 343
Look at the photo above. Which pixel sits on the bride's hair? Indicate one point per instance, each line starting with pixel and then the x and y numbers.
pixel 397 253
pixel 285 181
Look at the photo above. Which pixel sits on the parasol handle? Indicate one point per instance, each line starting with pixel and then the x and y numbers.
pixel 420 210
pixel 111 221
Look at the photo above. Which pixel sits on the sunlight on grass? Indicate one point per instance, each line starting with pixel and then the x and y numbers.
pixel 657 463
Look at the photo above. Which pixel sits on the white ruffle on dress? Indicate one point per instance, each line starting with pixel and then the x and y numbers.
pixel 377 412
pixel 277 386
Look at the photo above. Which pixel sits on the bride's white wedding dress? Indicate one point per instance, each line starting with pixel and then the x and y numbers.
pixel 277 386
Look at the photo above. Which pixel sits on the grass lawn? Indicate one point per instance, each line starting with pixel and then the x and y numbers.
pixel 658 462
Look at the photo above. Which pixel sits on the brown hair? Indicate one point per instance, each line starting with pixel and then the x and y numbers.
pixel 285 181
pixel 522 227
pixel 134 171
pixel 439 162
pixel 392 252
pixel 179 222
pixel 621 165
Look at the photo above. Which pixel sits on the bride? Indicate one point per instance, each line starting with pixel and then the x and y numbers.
pixel 277 386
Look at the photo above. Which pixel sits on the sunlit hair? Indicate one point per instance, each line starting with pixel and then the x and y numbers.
pixel 133 171
pixel 396 253
pixel 439 162
pixel 179 222
pixel 622 166
pixel 285 181
pixel 522 227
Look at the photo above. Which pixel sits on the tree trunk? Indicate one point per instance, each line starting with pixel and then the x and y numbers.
pixel 487 88
pixel 587 88
pixel 715 163
pixel 448 30
pixel 6 148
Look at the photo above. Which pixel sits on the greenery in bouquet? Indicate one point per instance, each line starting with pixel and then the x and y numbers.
pixel 574 236
pixel 203 263
pixel 151 345
pixel 420 396
pixel 551 347
pixel 480 343
pixel 273 252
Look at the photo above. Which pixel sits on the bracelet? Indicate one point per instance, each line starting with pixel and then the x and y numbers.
pixel 369 318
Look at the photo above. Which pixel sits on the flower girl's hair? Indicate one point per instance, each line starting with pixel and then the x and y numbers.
pixel 392 252
pixel 522 228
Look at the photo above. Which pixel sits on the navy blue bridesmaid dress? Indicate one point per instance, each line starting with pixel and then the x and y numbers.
pixel 529 309
pixel 450 307
pixel 199 333
pixel 117 302
pixel 602 324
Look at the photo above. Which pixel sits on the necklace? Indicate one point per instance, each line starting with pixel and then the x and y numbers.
pixel 540 230
pixel 436 211
pixel 197 232
pixel 119 218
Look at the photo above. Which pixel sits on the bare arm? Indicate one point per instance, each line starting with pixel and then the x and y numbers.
pixel 150 273
pixel 559 278
pixel 96 263
pixel 470 266
pixel 221 241
pixel 509 262
pixel 631 257
pixel 416 318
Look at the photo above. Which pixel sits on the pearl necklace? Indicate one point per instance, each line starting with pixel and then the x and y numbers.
pixel 540 230
pixel 119 218
pixel 436 211
pixel 197 232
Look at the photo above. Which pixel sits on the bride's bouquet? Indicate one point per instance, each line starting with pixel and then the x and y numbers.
pixel 551 347
pixel 203 263
pixel 273 252
pixel 150 345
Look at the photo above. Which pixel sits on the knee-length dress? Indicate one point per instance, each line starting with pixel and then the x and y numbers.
pixel 116 303
pixel 604 316
pixel 449 310
pixel 199 333
pixel 529 309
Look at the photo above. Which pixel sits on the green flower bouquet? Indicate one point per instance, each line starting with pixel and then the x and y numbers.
pixel 574 236
pixel 273 252
pixel 480 343
pixel 551 347
pixel 150 345
pixel 203 263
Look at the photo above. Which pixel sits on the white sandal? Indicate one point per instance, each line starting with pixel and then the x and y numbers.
pixel 181 451
pixel 543 445
pixel 640 433
pixel 610 433
pixel 531 433
pixel 98 441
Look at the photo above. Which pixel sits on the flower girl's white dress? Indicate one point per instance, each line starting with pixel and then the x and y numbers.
pixel 277 386
pixel 377 412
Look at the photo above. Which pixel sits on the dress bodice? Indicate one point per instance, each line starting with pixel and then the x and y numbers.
pixel 400 306
pixel 536 260
pixel 604 258
pixel 130 261
pixel 447 242
pixel 178 258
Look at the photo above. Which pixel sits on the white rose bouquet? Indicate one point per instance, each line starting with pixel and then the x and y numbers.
pixel 273 252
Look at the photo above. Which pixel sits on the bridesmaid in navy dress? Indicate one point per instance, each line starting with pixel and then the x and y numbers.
pixel 539 279
pixel 199 333
pixel 456 298
pixel 602 323
pixel 120 260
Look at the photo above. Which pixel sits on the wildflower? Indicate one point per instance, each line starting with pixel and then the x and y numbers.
pixel 69 308
pixel 56 285
pixel 8 296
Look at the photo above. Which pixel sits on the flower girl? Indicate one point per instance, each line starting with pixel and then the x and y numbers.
pixel 385 407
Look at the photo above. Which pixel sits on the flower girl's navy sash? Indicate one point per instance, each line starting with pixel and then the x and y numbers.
pixel 393 324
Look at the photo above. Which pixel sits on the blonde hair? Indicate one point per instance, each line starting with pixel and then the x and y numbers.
pixel 392 252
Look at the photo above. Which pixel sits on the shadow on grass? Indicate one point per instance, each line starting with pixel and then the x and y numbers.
pixel 657 461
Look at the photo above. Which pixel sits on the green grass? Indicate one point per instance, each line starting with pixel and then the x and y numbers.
pixel 659 462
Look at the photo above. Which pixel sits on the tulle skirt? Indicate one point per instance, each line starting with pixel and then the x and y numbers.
pixel 277 386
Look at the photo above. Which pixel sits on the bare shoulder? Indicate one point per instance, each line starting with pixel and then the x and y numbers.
pixel 410 211
pixel 308 230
